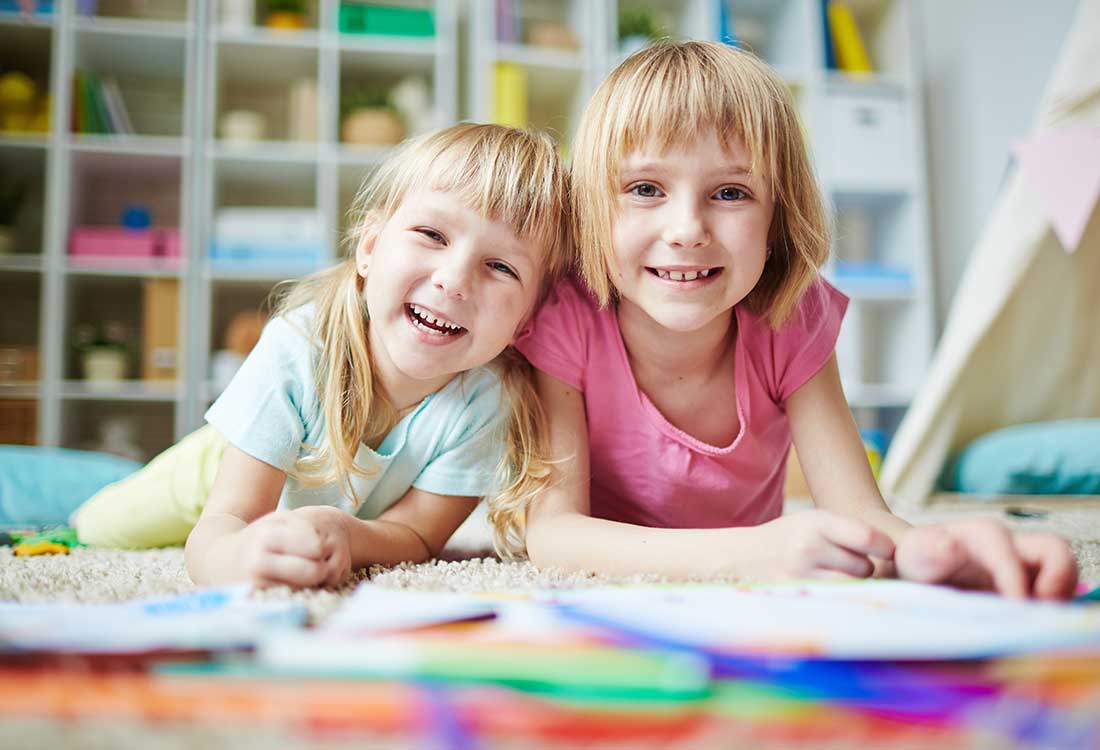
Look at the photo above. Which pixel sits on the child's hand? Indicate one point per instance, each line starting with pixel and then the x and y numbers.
pixel 301 548
pixel 814 543
pixel 983 553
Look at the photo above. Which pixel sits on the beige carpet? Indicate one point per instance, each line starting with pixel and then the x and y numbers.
pixel 97 575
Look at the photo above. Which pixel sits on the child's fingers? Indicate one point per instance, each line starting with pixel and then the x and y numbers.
pixel 858 537
pixel 1053 563
pixel 929 554
pixel 292 536
pixel 289 570
pixel 836 559
pixel 990 546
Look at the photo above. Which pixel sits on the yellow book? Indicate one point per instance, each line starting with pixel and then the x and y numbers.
pixel 851 55
pixel 510 95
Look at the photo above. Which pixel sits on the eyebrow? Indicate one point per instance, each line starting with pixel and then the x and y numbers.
pixel 719 169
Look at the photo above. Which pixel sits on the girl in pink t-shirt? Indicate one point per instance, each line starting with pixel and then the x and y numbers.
pixel 700 340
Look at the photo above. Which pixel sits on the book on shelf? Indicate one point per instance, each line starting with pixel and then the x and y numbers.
pixel 510 95
pixel 827 37
pixel 851 54
pixel 726 32
pixel 509 21
pixel 98 106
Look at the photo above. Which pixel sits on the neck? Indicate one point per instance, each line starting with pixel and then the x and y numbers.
pixel 402 391
pixel 653 348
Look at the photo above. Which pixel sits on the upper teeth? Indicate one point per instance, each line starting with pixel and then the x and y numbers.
pixel 682 275
pixel 427 317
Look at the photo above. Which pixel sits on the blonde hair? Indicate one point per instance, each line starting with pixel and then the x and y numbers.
pixel 508 175
pixel 669 92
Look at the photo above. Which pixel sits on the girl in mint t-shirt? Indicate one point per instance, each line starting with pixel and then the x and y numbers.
pixel 700 343
pixel 384 398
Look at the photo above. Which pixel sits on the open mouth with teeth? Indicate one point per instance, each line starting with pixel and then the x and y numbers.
pixel 426 321
pixel 667 275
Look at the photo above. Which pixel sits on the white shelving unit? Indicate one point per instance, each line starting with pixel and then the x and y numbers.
pixel 182 70
pixel 178 72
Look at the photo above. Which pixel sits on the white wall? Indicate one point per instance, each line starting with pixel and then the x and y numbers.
pixel 986 65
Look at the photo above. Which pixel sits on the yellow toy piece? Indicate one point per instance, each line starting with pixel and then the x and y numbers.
pixel 40 548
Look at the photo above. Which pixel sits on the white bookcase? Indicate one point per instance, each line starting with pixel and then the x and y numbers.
pixel 181 71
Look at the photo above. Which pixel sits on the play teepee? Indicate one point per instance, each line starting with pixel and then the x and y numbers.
pixel 1022 341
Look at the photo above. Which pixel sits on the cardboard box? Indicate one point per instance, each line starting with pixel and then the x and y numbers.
pixel 18 422
pixel 18 364
pixel 160 329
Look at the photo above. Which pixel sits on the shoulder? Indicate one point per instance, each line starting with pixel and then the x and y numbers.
pixel 569 309
pixel 820 305
pixel 471 401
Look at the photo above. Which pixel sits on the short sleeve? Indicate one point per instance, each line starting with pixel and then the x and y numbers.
pixel 267 407
pixel 808 338
pixel 466 461
pixel 557 340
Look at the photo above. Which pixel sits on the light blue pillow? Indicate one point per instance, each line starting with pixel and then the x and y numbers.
pixel 42 486
pixel 1044 458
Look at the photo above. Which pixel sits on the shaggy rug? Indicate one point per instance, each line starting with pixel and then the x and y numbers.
pixel 100 575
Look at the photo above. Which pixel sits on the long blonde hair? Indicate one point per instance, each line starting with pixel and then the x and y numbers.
pixel 668 93
pixel 508 175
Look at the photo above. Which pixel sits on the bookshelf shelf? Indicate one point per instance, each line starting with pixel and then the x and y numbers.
pixel 131 268
pixel 157 147
pixel 24 263
pixel 133 26
pixel 19 391
pixel 120 390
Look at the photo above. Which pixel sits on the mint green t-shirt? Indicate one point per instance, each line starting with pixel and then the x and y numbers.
pixel 450 444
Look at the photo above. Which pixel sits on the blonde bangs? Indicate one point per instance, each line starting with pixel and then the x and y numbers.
pixel 512 176
pixel 665 96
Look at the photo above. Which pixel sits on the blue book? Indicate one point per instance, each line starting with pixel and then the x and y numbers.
pixel 827 37
pixel 726 33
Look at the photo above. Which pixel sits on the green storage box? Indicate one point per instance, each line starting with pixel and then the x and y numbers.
pixel 389 20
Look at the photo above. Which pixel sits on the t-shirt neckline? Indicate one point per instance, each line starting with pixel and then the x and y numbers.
pixel 672 430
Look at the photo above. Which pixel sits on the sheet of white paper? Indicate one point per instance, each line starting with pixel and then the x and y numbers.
pixel 374 608
pixel 853 620
pixel 207 619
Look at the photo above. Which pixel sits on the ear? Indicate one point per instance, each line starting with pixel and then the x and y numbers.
pixel 367 239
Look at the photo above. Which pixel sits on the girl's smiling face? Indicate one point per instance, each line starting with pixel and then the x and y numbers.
pixel 447 290
pixel 690 234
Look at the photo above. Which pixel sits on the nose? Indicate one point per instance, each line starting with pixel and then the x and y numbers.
pixel 685 228
pixel 453 276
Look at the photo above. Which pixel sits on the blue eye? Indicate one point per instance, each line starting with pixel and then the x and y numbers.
pixel 645 190
pixel 731 193
pixel 496 265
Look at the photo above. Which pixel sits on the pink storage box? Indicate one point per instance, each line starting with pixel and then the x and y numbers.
pixel 120 242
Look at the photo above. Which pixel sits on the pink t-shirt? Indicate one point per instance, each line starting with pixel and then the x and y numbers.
pixel 646 471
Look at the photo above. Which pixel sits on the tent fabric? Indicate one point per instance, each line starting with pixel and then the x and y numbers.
pixel 1022 339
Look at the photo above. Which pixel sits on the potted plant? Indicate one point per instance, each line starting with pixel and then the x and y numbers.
pixel 285 14
pixel 637 28
pixel 368 116
pixel 104 351
pixel 12 194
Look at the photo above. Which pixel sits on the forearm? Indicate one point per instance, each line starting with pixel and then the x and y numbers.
pixel 574 541
pixel 212 553
pixel 379 542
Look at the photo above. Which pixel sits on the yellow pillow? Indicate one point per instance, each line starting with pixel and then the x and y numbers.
pixel 160 504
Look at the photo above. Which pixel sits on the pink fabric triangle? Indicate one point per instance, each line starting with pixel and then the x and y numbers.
pixel 1064 167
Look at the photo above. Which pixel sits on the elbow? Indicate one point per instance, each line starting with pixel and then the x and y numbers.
pixel 541 540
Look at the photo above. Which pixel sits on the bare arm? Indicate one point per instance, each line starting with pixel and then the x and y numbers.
pixel 244 489
pixel 413 529
pixel 238 537
pixel 832 455
pixel 561 533
pixel 977 553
